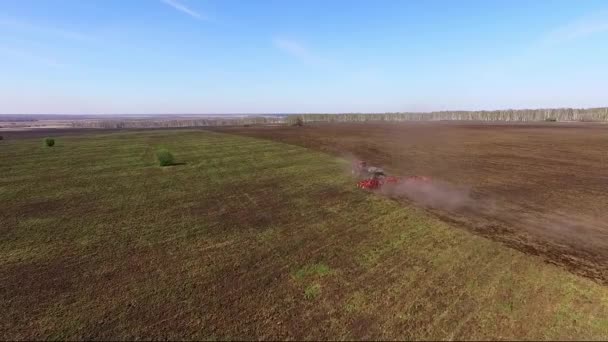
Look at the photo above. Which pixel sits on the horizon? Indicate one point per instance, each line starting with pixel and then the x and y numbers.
pixel 307 113
pixel 187 57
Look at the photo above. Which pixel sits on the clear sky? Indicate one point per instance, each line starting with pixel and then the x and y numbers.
pixel 248 56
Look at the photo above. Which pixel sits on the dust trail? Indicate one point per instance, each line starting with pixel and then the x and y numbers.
pixel 434 194
pixel 461 204
pixel 567 229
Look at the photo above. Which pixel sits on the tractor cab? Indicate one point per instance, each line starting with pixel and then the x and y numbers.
pixel 375 172
pixel 362 170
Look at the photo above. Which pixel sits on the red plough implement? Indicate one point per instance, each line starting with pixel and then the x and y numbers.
pixel 370 183
pixel 374 183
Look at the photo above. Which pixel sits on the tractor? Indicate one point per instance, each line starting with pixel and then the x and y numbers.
pixel 372 177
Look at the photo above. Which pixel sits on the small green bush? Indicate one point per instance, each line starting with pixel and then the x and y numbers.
pixel 165 158
pixel 1 137
pixel 551 119
pixel 49 142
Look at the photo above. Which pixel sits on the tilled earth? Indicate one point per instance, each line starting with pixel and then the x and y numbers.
pixel 539 188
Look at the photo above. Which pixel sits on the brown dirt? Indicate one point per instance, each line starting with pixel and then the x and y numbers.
pixel 539 188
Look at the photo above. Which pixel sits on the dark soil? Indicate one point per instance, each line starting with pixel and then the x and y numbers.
pixel 539 188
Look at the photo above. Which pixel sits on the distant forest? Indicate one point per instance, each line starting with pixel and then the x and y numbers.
pixel 520 115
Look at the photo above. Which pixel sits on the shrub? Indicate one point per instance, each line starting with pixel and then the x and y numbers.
pixel 1 137
pixel 299 121
pixel 50 142
pixel 165 158
pixel 551 119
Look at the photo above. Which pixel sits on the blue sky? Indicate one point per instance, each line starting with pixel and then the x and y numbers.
pixel 195 56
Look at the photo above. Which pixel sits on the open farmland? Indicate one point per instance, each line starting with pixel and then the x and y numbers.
pixel 540 188
pixel 249 238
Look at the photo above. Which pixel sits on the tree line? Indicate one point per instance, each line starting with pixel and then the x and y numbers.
pixel 160 123
pixel 556 114
pixel 521 115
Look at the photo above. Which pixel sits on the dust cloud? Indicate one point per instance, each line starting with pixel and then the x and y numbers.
pixel 459 201
pixel 433 194
pixel 567 229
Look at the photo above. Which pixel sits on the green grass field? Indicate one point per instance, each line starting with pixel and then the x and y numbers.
pixel 251 239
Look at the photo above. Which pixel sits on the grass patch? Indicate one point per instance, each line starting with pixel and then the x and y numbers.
pixel 312 291
pixel 312 270
pixel 356 303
